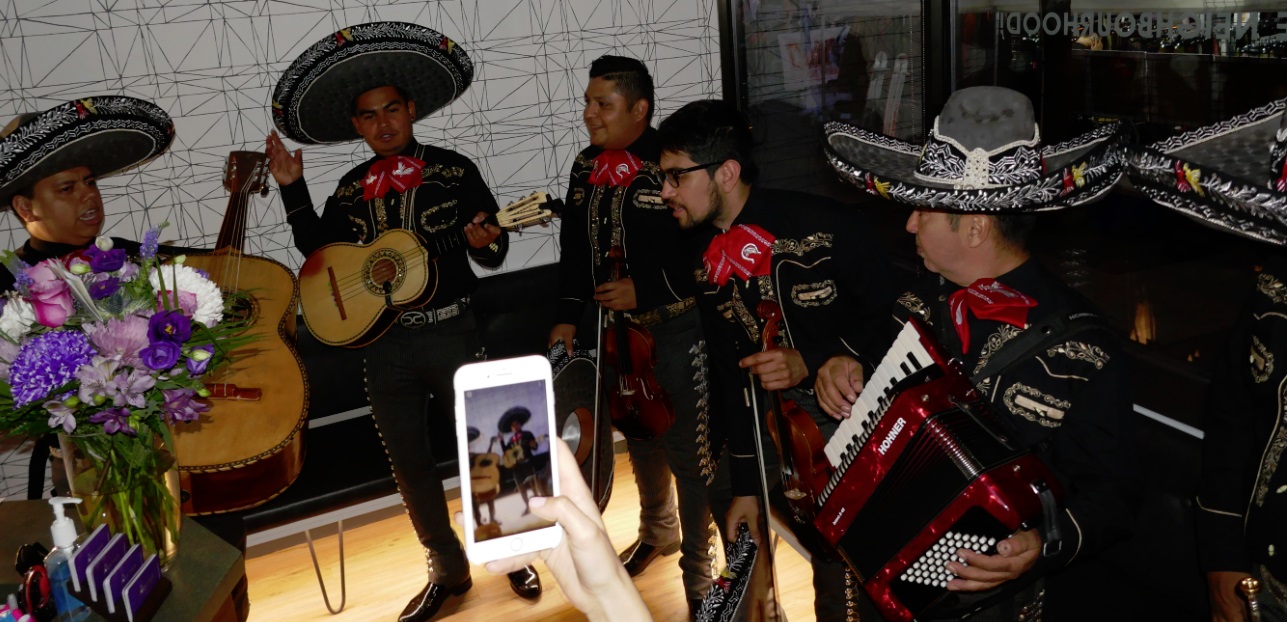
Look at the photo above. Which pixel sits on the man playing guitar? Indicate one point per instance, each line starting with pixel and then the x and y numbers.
pixel 409 185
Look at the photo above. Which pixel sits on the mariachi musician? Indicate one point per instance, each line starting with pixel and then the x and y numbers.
pixel 815 258
pixel 1070 400
pixel 1217 176
pixel 49 176
pixel 614 199
pixel 374 81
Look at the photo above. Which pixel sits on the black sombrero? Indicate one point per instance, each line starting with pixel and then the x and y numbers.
pixel 109 134
pixel 1231 175
pixel 517 413
pixel 983 155
pixel 313 101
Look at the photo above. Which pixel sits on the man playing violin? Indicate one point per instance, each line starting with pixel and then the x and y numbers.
pixel 810 255
pixel 614 200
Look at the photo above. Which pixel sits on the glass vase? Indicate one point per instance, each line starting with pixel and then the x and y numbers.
pixel 129 483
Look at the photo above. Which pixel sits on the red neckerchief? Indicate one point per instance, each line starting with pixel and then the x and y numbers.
pixel 988 299
pixel 516 439
pixel 615 167
pixel 744 249
pixel 401 173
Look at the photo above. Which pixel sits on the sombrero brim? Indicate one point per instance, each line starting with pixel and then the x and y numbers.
pixel 1078 171
pixel 313 102
pixel 1218 174
pixel 108 134
pixel 508 419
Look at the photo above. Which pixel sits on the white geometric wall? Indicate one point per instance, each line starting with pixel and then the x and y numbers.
pixel 213 67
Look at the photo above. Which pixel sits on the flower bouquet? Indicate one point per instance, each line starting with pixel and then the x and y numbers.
pixel 109 351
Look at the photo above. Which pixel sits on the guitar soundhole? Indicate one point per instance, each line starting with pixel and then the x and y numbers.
pixel 384 266
pixel 242 309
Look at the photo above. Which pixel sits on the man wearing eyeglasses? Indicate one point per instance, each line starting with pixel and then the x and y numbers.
pixel 614 200
pixel 817 260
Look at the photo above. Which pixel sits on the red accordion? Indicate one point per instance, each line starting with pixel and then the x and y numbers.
pixel 924 467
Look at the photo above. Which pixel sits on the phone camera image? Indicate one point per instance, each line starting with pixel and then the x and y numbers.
pixel 509 456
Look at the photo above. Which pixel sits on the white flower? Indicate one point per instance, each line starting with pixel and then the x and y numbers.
pixel 209 309
pixel 17 319
pixel 103 243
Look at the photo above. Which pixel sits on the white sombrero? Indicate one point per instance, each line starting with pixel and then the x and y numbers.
pixel 108 134
pixel 313 102
pixel 1231 175
pixel 982 155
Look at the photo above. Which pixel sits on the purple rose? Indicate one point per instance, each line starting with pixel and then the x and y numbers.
pixel 161 355
pixel 104 261
pixel 99 290
pixel 170 326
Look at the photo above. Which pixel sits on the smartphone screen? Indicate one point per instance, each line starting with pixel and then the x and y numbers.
pixel 508 438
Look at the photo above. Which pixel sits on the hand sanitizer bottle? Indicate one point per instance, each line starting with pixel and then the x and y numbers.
pixel 70 609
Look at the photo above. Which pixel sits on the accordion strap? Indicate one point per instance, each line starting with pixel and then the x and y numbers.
pixel 1052 330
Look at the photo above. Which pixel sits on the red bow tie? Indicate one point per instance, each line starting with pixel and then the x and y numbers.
pixel 615 167
pixel 988 299
pixel 401 173
pixel 744 249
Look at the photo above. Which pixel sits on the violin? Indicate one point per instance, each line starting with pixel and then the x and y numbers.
pixel 639 406
pixel 805 469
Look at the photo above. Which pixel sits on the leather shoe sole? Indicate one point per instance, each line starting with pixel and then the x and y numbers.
pixel 637 557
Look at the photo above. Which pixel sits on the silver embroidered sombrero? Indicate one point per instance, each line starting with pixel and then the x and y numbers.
pixel 108 134
pixel 313 102
pixel 1231 175
pixel 982 155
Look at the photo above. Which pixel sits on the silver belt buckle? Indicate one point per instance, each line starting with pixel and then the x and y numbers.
pixel 447 312
pixel 414 319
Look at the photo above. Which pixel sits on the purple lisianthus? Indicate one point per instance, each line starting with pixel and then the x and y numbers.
pixel 60 415
pixel 47 362
pixel 103 288
pixel 104 261
pixel 161 355
pixel 172 326
pixel 183 405
pixel 199 359
pixel 131 389
pixel 114 420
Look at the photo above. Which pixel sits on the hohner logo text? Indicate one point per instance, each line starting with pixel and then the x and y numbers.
pixel 889 438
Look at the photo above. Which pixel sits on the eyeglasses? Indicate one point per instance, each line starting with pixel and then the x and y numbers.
pixel 673 174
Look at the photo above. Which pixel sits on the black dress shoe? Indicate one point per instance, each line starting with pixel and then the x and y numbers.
pixel 525 582
pixel 639 555
pixel 427 603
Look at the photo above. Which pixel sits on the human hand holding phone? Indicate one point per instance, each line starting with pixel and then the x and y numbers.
pixel 504 413
pixel 584 563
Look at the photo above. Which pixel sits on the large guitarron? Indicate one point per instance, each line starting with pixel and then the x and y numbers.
pixel 924 467
pixel 250 446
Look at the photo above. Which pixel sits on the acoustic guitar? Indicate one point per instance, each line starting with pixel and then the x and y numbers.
pixel 484 476
pixel 514 453
pixel 352 293
pixel 249 447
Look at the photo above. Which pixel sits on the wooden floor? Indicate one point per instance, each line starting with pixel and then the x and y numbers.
pixel 385 567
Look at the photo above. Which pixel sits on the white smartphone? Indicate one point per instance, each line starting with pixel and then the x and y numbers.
pixel 504 418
